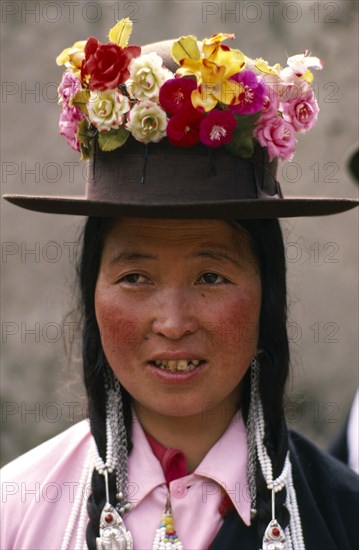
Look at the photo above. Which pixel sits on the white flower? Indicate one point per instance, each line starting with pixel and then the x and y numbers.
pixel 146 76
pixel 106 110
pixel 301 62
pixel 147 122
pixel 298 68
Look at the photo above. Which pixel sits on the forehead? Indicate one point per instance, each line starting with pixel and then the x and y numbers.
pixel 135 238
pixel 163 233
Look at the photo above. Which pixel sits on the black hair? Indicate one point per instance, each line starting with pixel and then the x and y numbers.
pixel 267 241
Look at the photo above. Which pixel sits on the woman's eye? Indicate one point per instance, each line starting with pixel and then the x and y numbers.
pixel 133 278
pixel 212 278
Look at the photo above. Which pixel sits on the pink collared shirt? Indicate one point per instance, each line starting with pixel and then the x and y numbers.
pixel 195 498
pixel 38 490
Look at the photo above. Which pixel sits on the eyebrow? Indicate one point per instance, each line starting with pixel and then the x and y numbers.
pixel 204 252
pixel 212 253
pixel 127 256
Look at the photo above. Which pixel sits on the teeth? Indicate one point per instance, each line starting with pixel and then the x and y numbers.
pixel 173 365
pixel 182 364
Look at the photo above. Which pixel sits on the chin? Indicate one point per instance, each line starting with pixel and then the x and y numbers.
pixel 174 407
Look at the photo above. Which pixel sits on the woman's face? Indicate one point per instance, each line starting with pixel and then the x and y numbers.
pixel 177 304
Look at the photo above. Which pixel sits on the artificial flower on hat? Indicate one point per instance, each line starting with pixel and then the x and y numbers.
pixel 217 96
pixel 72 57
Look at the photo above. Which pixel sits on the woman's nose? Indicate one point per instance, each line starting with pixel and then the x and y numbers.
pixel 174 315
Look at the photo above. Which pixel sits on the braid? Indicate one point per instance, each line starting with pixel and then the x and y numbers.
pixel 274 362
pixel 95 368
pixel 276 443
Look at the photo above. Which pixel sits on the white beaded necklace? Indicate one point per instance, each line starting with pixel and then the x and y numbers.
pixel 275 538
pixel 79 507
pixel 113 532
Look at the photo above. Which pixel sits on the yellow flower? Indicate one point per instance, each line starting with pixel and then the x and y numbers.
pixel 213 71
pixel 72 57
pixel 121 32
pixel 262 67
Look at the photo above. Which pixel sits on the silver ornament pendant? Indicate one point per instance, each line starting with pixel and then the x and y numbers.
pixel 274 537
pixel 113 533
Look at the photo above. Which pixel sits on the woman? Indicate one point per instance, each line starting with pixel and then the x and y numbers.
pixel 182 276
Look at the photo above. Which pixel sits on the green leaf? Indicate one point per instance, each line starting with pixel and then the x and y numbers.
pixel 86 136
pixel 186 46
pixel 109 141
pixel 242 144
pixel 80 99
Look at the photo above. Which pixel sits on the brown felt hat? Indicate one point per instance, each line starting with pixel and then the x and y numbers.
pixel 164 181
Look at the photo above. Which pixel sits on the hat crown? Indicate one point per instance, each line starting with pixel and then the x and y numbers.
pixel 161 175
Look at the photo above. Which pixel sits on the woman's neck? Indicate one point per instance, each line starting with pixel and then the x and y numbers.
pixel 193 435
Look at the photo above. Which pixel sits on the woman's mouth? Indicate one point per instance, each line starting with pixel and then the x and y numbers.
pixel 179 365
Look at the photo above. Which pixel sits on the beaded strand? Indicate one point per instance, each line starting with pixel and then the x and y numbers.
pixel 81 527
pixel 293 533
pixel 110 464
pixel 113 532
pixel 79 504
pixel 294 513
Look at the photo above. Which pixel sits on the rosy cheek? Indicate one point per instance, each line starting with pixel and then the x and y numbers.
pixel 119 326
pixel 235 323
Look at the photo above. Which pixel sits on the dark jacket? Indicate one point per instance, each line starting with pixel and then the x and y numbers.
pixel 328 500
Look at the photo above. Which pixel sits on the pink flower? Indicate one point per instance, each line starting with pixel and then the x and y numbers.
pixel 216 129
pixel 301 112
pixel 68 124
pixel 174 92
pixel 253 94
pixel 270 107
pixel 69 86
pixel 293 90
pixel 278 137
pixel 183 127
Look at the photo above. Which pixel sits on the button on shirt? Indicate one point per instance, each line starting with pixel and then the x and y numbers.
pixel 178 489
pixel 196 497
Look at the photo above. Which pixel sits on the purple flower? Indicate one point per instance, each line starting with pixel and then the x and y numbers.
pixel 301 112
pixel 68 125
pixel 278 137
pixel 253 94
pixel 217 127
pixel 69 86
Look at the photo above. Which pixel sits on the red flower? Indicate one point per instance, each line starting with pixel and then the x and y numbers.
pixel 175 92
pixel 107 64
pixel 216 129
pixel 183 127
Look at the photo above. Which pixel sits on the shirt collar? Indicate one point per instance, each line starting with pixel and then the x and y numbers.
pixel 226 464
pixel 145 470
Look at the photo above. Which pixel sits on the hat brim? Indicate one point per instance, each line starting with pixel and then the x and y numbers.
pixel 227 209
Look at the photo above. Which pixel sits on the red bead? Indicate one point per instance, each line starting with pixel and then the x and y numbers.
pixel 275 532
pixel 108 518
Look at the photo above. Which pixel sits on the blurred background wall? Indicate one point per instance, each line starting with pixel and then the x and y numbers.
pixel 40 385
